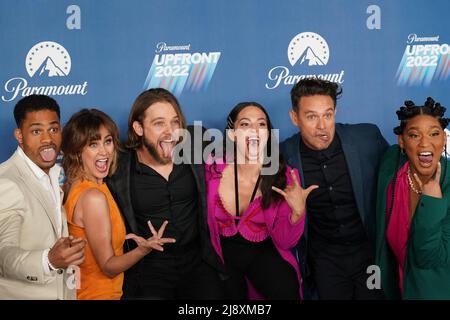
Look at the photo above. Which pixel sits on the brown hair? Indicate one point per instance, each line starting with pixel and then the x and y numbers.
pixel 141 104
pixel 267 181
pixel 83 128
pixel 313 86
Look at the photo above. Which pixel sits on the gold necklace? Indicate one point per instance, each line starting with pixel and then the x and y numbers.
pixel 411 184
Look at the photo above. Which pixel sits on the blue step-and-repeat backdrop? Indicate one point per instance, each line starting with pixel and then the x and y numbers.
pixel 214 54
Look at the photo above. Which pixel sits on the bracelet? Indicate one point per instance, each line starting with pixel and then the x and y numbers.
pixel 52 267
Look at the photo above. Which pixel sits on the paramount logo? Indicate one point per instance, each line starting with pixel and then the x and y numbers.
pixel 281 75
pixel 46 59
pixel 50 69
pixel 307 50
pixel 19 86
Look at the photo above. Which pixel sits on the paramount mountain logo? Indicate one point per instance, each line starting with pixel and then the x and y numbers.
pixel 309 52
pixel 50 69
pixel 47 59
pixel 308 47
pixel 311 57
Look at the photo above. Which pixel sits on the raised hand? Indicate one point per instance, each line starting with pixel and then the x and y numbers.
pixel 155 242
pixel 295 196
pixel 432 188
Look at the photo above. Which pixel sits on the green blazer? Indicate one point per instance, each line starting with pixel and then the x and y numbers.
pixel 427 266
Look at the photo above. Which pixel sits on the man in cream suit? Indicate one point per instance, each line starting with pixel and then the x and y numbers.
pixel 35 249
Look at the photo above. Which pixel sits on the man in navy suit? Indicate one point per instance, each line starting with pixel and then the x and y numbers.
pixel 342 159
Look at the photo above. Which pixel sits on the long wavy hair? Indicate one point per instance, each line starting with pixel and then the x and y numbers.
pixel 144 101
pixel 267 181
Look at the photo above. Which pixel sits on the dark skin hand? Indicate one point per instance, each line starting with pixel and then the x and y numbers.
pixel 67 251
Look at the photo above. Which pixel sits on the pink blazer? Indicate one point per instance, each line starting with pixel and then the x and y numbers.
pixel 284 234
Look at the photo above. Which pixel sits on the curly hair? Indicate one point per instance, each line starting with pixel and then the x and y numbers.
pixel 406 113
pixel 410 110
pixel 33 103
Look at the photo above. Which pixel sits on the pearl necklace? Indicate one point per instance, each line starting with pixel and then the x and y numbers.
pixel 411 184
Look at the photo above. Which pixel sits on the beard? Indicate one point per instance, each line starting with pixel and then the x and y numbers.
pixel 152 150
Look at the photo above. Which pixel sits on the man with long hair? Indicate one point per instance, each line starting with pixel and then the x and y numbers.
pixel 149 186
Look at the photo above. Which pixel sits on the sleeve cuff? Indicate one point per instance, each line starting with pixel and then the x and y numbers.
pixel 293 224
pixel 46 263
pixel 427 204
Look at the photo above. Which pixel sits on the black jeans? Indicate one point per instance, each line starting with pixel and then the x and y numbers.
pixel 339 271
pixel 272 276
pixel 183 276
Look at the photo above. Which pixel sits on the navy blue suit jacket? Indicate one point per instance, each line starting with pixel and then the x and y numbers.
pixel 363 146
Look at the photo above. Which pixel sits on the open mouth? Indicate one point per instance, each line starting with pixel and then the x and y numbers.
pixel 253 141
pixel 323 136
pixel 48 154
pixel 167 147
pixel 253 146
pixel 101 165
pixel 425 158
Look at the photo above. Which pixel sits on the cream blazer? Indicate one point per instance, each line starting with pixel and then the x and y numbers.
pixel 27 228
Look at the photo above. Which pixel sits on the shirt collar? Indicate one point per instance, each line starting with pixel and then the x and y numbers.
pixel 135 161
pixel 54 171
pixel 328 152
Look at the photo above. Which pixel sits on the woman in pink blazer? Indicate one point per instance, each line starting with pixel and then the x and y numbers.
pixel 255 216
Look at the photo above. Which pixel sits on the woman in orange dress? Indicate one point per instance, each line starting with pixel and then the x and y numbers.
pixel 90 144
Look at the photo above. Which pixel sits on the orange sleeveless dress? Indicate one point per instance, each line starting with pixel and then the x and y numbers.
pixel 94 284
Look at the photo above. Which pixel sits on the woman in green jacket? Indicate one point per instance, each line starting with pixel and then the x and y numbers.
pixel 413 207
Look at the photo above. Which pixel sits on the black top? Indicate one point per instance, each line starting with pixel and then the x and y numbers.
pixel 332 212
pixel 156 199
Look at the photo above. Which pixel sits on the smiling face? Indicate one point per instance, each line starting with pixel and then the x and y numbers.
pixel 251 133
pixel 97 156
pixel 39 136
pixel 423 140
pixel 315 117
pixel 159 131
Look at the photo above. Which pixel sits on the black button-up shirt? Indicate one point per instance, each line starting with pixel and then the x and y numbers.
pixel 156 199
pixel 332 212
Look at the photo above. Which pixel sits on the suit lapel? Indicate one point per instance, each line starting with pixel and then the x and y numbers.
pixel 64 228
pixel 35 188
pixel 295 159
pixel 123 187
pixel 354 168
